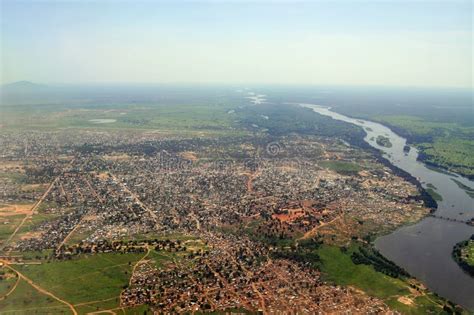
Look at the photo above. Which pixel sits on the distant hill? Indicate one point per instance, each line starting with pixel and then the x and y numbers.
pixel 25 92
pixel 22 86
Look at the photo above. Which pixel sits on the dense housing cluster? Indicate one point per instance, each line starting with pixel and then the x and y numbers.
pixel 239 198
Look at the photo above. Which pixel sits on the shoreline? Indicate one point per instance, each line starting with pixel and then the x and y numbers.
pixel 411 140
pixel 456 253
pixel 395 239
pixel 427 199
pixel 422 156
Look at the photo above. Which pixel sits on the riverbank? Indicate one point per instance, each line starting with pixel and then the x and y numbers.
pixel 424 248
pixel 424 196
pixel 423 155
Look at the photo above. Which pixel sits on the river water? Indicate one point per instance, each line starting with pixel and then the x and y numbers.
pixel 424 249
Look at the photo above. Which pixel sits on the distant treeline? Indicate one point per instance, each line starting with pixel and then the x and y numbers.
pixel 280 120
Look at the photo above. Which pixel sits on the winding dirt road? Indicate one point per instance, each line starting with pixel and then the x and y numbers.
pixel 38 288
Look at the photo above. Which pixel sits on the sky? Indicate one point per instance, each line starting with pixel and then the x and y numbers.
pixel 383 42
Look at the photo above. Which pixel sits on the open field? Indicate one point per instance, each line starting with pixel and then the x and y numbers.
pixel 79 281
pixel 8 225
pixel 14 176
pixel 341 166
pixel 177 119
pixel 26 300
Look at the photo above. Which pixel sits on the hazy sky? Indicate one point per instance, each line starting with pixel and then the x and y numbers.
pixel 421 43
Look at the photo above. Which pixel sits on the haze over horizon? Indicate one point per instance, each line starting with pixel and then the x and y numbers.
pixel 407 43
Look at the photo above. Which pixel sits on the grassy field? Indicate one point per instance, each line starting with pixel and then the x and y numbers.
pixel 338 267
pixel 213 118
pixel 26 300
pixel 452 153
pixel 7 281
pixel 8 225
pixel 85 279
pixel 89 282
pixel 341 166
pixel 15 177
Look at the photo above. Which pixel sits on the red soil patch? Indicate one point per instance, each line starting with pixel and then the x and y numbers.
pixel 292 215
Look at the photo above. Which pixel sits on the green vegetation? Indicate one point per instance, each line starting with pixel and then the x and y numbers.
pixel 182 119
pixel 287 119
pixel 95 281
pixel 439 170
pixel 466 188
pixel 362 267
pixel 341 166
pixel 7 281
pixel 27 300
pixel 463 254
pixel 8 225
pixel 15 177
pixel 445 144
pixel 469 253
pixel 462 186
pixel 139 309
pixel 454 154
pixel 338 267
pixel 84 279
pixel 306 252
pixel 369 256
pixel 434 194
pixel 431 190
pixel 383 141
pixel 89 282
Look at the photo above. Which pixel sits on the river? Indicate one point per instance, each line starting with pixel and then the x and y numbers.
pixel 424 249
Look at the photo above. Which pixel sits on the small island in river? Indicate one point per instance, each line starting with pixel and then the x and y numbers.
pixel 463 254
pixel 383 141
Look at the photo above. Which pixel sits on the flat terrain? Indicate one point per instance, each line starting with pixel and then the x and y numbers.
pixel 177 119
pixel 205 207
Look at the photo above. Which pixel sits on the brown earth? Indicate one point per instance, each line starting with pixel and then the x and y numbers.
pixel 189 156
pixel 15 209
